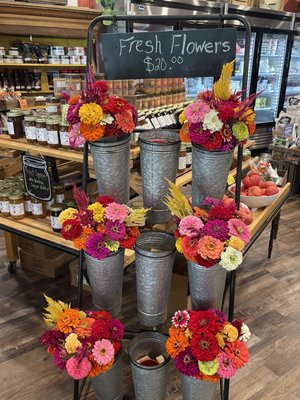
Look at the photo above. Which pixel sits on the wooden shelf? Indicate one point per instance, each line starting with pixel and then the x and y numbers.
pixel 35 91
pixel 3 65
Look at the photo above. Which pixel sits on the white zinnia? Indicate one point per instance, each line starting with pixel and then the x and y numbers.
pixel 245 333
pixel 107 119
pixel 211 121
pixel 231 259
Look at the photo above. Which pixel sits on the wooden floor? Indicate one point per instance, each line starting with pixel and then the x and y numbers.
pixel 267 296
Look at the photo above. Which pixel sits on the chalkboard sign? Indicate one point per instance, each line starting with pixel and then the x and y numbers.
pixel 170 54
pixel 36 178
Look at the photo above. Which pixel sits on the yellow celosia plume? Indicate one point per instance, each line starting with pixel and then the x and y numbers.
pixel 54 310
pixel 222 86
pixel 176 202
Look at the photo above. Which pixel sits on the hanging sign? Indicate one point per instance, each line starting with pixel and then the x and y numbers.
pixel 196 53
pixel 36 178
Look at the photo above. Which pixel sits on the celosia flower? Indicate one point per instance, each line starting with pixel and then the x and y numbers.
pixel 245 333
pixel 52 338
pixel 60 358
pixel 209 367
pixel 239 229
pixel 98 211
pixel 212 122
pixel 230 332
pixel 220 212
pixel 75 136
pixel 236 243
pixel 105 200
pixel 100 329
pixel 204 346
pixel 216 228
pixel 116 329
pixel 68 320
pixel 186 363
pixel 95 246
pixel 90 132
pixel 231 259
pixel 84 328
pixel 69 213
pixel 112 245
pixel 78 369
pixel 115 230
pixel 238 352
pixel 210 247
pixel 190 226
pixel 71 229
pixel 86 218
pixel 178 245
pixel 176 343
pixel 196 112
pixel 103 351
pixel 90 113
pixel 125 121
pixel 180 319
pixel 190 246
pixel 226 368
pixel 240 131
pixel 116 212
pixel 73 114
pixel 72 343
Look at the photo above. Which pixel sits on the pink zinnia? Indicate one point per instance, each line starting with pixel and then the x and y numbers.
pixel 239 229
pixel 116 212
pixel 116 329
pixel 78 369
pixel 226 368
pixel 190 226
pixel 103 351
pixel 195 112
pixel 76 138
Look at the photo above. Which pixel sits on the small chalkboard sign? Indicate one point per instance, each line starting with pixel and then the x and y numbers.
pixel 168 54
pixel 36 178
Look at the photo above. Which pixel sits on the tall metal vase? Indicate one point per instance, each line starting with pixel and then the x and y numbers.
pixel 109 385
pixel 106 281
pixel 194 389
pixel 111 162
pixel 150 383
pixel 210 171
pixel 154 258
pixel 206 285
pixel 159 160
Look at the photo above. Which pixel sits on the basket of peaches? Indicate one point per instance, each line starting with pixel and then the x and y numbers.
pixel 256 190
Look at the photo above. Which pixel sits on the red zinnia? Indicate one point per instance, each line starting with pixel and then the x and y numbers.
pixel 220 212
pixel 125 121
pixel 71 229
pixel 104 315
pixel 206 320
pixel 225 112
pixel 177 234
pixel 117 346
pixel 190 246
pixel 238 325
pixel 105 200
pixel 204 346
pixel 133 231
pixel 203 262
pixel 102 86
pixel 113 130
pixel 100 330
pixel 128 243
pixel 214 142
pixel 238 352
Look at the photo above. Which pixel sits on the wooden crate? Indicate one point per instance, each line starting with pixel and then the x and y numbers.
pixel 50 2
pixel 10 166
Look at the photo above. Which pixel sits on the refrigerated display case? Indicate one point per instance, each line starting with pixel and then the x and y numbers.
pixel 293 79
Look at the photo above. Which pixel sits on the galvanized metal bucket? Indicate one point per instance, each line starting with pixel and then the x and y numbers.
pixel 111 163
pixel 206 285
pixel 159 160
pixel 194 389
pixel 150 383
pixel 109 385
pixel 154 258
pixel 210 171
pixel 106 281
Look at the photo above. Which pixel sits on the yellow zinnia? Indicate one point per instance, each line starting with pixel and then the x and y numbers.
pixel 98 211
pixel 72 343
pixel 230 333
pixel 178 245
pixel 90 113
pixel 69 213
pixel 236 243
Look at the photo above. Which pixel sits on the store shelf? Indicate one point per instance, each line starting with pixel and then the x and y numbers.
pixel 262 108
pixel 34 91
pixel 261 74
pixel 3 65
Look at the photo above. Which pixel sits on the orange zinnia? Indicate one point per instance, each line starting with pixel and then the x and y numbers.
pixel 238 352
pixel 91 132
pixel 251 127
pixel 68 320
pixel 211 378
pixel 201 213
pixel 74 99
pixel 176 343
pixel 85 327
pixel 210 247
pixel 184 133
pixel 98 369
pixel 79 242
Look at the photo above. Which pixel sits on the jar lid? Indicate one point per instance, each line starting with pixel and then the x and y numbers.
pixel 16 195
pixel 14 114
pixel 40 98
pixel 14 48
pixel 65 124
pixel 70 204
pixel 58 186
pixel 41 119
pixel 29 118
pixel 56 207
pixel 26 112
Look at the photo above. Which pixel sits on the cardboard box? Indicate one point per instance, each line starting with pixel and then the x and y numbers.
pixel 178 296
pixel 73 268
pixel 38 249
pixel 51 266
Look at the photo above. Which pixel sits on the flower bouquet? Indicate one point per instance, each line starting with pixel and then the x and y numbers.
pixel 85 344
pixel 101 228
pixel 205 346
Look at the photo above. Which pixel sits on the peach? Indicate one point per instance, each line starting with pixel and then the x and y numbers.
pixel 254 180
pixel 246 182
pixel 254 191
pixel 270 184
pixel 271 190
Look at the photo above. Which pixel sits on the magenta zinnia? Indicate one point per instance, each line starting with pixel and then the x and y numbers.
pixel 95 246
pixel 239 229
pixel 217 229
pixel 114 230
pixel 186 363
pixel 116 329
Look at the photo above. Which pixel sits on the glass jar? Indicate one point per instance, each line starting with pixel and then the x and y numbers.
pixel 13 51
pixel 40 101
pixel 16 205
pixel 14 125
pixel 49 204
pixel 59 192
pixel 53 105
pixel 64 136
pixel 30 131
pixel 41 131
pixel 4 202
pixel 38 208
pixel 55 210
pixel 52 126
pixel 182 159
pixel 27 203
